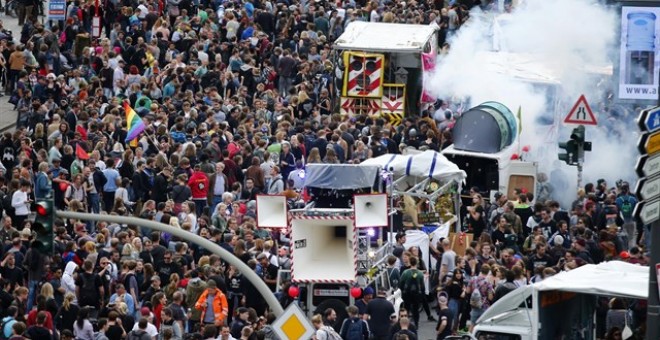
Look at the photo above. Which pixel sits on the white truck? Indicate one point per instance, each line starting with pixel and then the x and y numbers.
pixel 562 306
pixel 484 148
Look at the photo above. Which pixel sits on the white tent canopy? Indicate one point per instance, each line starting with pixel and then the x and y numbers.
pixel 428 164
pixel 614 278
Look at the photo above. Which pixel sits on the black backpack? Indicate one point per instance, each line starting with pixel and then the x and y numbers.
pixel 99 180
pixel 89 287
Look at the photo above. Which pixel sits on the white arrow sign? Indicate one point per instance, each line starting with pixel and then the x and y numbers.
pixel 652 166
pixel 650 188
pixel 650 212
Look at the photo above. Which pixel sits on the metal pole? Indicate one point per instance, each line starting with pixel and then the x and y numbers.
pixel 653 309
pixel 250 275
pixel 390 178
pixel 579 175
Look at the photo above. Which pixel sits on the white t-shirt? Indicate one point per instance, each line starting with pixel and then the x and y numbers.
pixel 151 329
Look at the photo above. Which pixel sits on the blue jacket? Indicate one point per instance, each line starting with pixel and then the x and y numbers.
pixel 42 186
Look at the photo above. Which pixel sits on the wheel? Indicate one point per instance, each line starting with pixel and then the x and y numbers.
pixel 338 306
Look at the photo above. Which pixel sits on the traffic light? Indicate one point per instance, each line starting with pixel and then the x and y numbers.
pixel 578 134
pixel 571 155
pixel 43 227
pixel 575 147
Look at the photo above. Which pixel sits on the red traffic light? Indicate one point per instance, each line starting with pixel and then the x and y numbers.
pixel 42 209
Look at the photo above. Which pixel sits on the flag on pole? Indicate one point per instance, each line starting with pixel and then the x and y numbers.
pixel 134 123
pixel 519 120
pixel 81 153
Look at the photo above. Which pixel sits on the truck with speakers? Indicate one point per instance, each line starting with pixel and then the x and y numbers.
pixel 380 69
pixel 335 252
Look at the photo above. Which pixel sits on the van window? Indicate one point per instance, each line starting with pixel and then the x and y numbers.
pixel 496 336
pixel 520 182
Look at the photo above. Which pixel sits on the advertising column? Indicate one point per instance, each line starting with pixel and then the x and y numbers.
pixel 639 62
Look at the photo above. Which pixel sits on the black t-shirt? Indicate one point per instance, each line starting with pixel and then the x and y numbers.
pixel 89 287
pixel 379 311
pixel 37 332
pixel 270 273
pixel 444 314
pixel 13 275
pixel 114 332
pixel 477 225
pixel 167 269
pixel 537 261
pixel 548 228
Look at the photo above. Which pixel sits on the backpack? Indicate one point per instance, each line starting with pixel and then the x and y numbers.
pixel 178 136
pixel 4 323
pixel 89 288
pixel 354 330
pixel 330 333
pixel 476 299
pixel 99 180
pixel 627 207
pixel 412 286
pixel 138 334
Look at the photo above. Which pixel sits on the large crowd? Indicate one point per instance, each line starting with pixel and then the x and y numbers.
pixel 236 97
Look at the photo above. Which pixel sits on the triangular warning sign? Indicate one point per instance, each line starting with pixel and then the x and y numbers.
pixel 581 113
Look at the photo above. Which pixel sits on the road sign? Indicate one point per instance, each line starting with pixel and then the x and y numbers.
pixel 648 166
pixel 293 324
pixel 652 144
pixel 648 188
pixel 581 113
pixel 647 212
pixel 652 119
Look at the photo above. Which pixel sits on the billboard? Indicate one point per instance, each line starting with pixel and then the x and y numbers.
pixel 639 61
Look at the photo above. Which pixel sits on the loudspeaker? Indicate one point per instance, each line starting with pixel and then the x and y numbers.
pixel 272 211
pixel 370 210
pixel 323 250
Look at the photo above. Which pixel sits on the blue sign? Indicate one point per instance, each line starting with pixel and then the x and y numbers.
pixel 57 10
pixel 652 121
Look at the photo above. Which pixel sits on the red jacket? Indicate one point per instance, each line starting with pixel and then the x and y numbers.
pixel 199 185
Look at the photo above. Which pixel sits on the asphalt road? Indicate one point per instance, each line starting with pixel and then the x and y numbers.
pixel 7 114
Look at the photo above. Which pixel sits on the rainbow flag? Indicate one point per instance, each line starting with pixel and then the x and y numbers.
pixel 134 125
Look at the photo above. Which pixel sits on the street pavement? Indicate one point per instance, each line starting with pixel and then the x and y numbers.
pixel 7 114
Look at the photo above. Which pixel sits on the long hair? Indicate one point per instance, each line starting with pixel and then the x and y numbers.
pixel 83 313
pixel 47 290
pixel 68 301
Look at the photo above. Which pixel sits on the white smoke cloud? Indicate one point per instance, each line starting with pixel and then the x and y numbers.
pixel 563 44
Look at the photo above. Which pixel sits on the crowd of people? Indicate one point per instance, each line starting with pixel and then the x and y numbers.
pixel 235 96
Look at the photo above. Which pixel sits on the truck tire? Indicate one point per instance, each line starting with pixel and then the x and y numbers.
pixel 338 306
